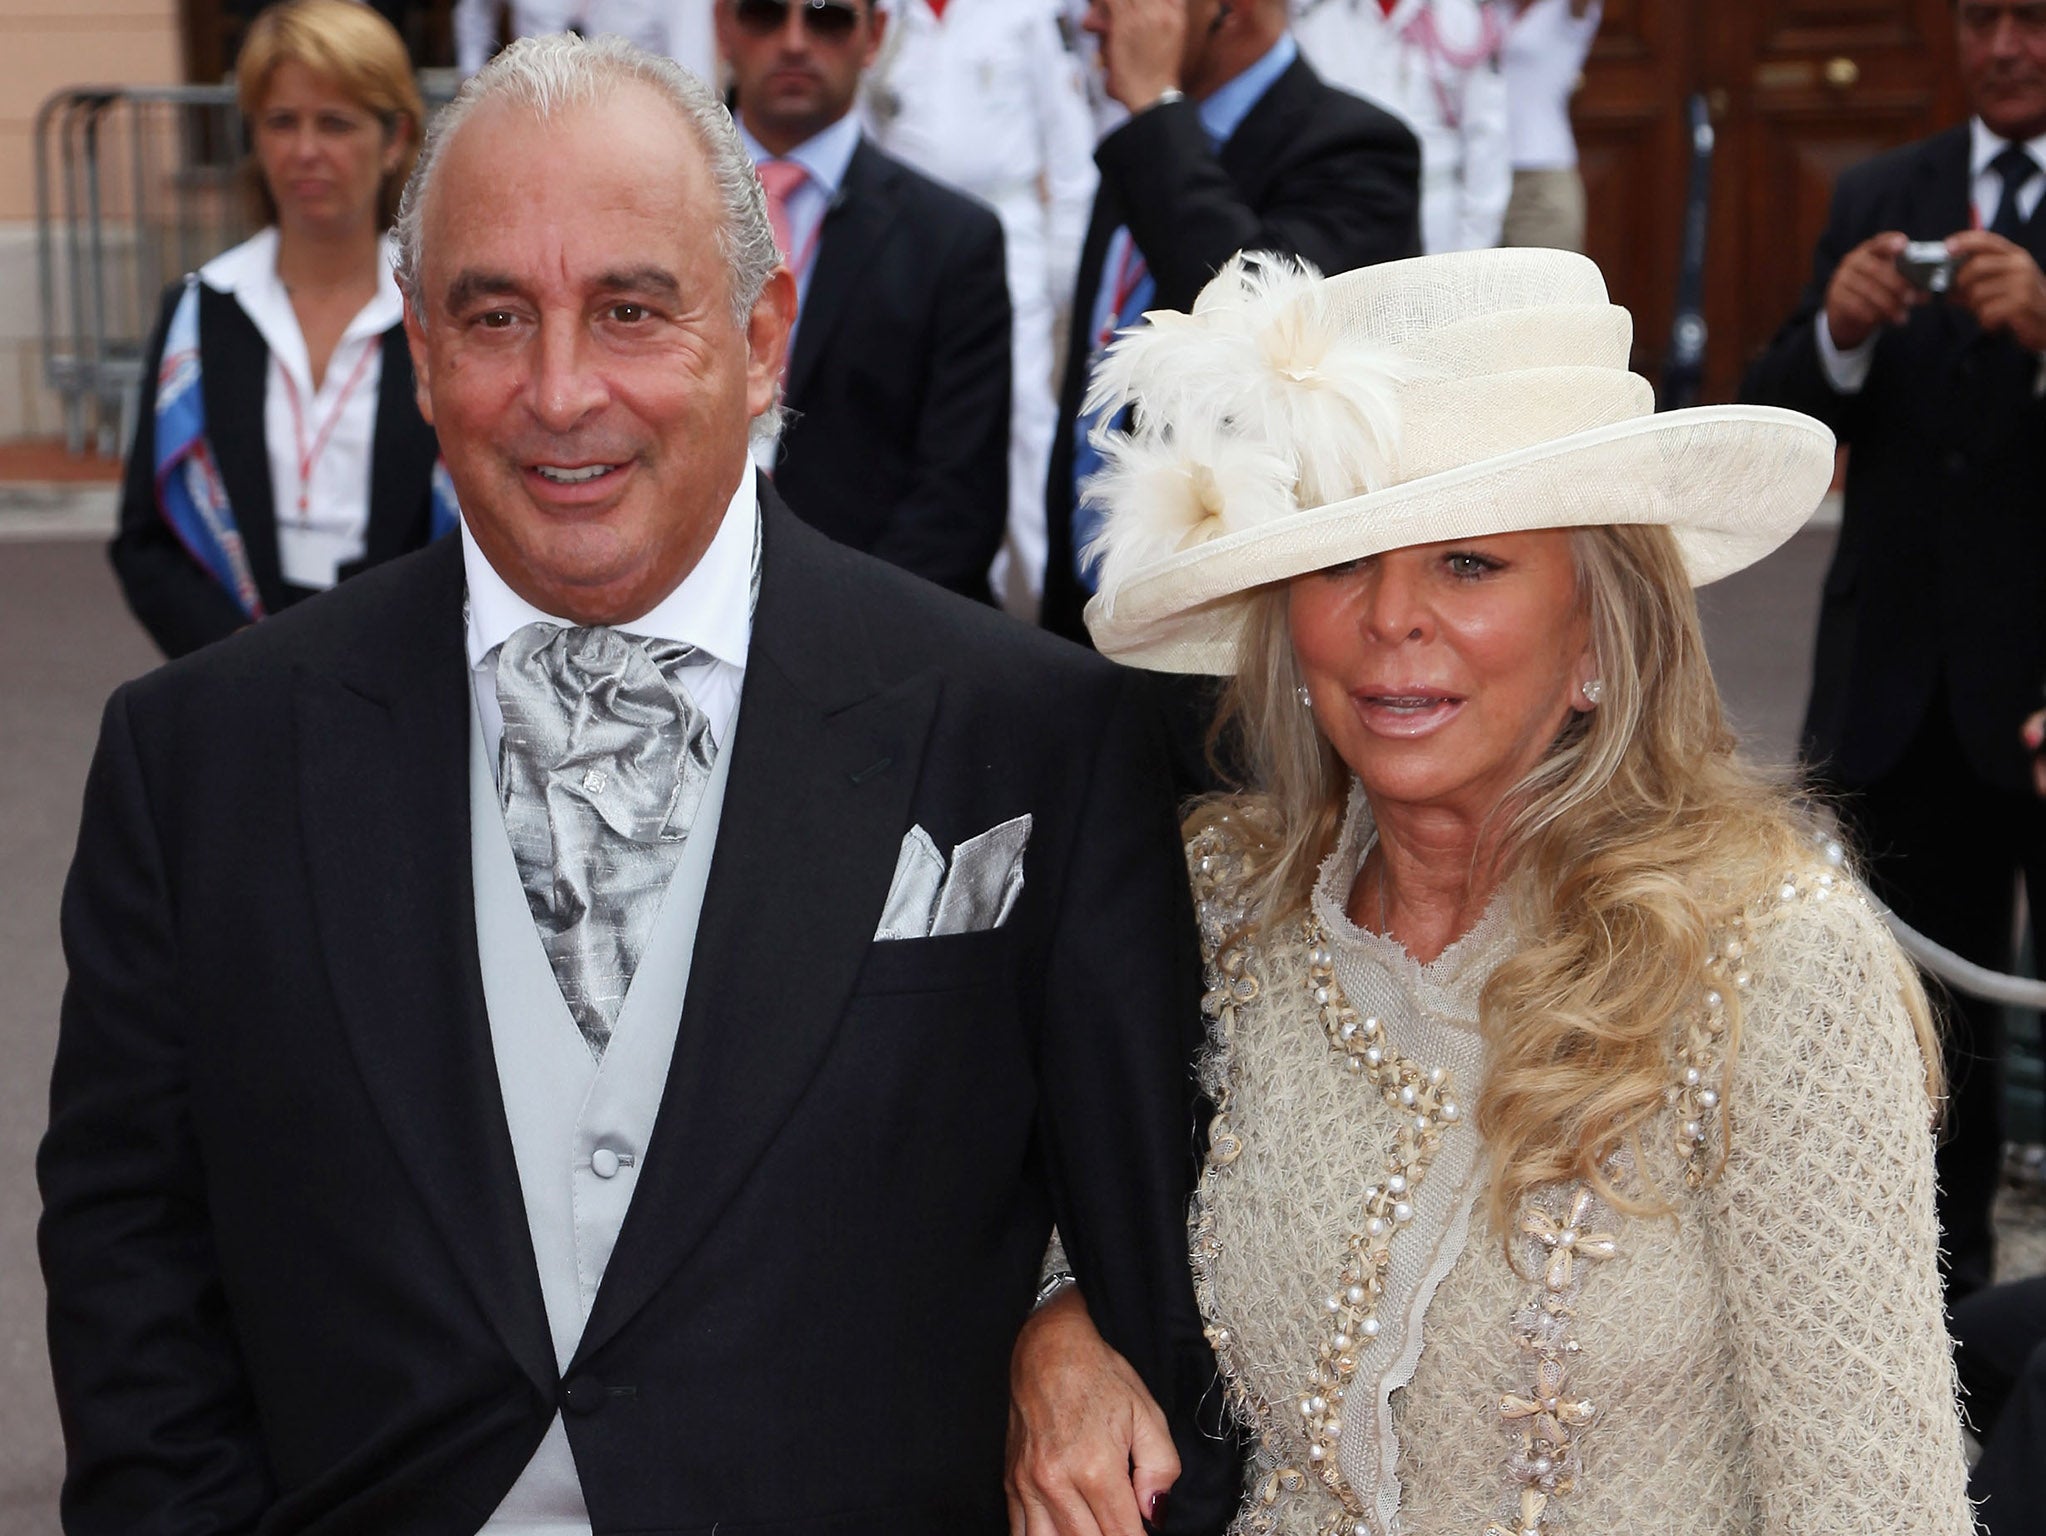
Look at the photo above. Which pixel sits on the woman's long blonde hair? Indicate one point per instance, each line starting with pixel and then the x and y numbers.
pixel 1642 830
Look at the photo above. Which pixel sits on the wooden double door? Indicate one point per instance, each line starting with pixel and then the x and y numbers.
pixel 1797 91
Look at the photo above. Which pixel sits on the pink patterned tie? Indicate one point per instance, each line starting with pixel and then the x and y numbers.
pixel 781 178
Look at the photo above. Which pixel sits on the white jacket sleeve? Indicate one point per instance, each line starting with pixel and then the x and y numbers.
pixel 1487 158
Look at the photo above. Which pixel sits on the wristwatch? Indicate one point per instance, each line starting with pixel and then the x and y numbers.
pixel 1167 96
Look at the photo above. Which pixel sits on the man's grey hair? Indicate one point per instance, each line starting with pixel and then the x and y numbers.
pixel 552 74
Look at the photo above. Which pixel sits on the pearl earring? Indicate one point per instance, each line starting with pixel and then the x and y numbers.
pixel 1306 698
pixel 1593 689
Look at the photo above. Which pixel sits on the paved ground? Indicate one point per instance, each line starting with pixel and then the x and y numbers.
pixel 66 639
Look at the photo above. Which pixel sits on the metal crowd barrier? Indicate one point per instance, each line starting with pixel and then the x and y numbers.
pixel 135 186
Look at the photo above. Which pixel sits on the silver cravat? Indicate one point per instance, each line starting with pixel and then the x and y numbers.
pixel 602 766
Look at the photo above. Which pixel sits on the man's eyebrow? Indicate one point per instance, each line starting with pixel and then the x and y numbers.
pixel 471 286
pixel 656 281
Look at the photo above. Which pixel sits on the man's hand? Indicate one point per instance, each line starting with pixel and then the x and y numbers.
pixel 1089 1452
pixel 1868 292
pixel 2034 733
pixel 2001 286
pixel 1143 49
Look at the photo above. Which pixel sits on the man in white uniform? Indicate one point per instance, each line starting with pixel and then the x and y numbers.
pixel 680 29
pixel 985 96
pixel 1434 63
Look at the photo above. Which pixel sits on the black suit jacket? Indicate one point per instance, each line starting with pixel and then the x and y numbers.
pixel 1312 171
pixel 1942 553
pixel 900 380
pixel 291 1285
pixel 175 599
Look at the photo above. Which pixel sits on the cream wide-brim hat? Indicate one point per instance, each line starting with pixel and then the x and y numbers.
pixel 1292 422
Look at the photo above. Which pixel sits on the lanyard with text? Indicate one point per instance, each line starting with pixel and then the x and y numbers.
pixel 309 455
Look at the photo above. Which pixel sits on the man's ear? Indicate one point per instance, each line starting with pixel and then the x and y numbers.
pixel 767 340
pixel 422 370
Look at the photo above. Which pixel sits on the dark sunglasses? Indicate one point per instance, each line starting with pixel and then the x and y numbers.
pixel 830 21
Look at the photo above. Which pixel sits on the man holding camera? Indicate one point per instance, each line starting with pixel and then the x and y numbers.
pixel 1919 342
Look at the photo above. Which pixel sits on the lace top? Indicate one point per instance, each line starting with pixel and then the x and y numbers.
pixel 1769 1358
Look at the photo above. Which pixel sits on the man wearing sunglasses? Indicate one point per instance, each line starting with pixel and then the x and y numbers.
pixel 898 383
pixel 1932 633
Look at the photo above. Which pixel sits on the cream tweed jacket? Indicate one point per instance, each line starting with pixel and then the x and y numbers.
pixel 1771 1358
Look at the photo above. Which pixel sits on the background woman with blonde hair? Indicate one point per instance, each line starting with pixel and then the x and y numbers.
pixel 280 448
pixel 1572 1157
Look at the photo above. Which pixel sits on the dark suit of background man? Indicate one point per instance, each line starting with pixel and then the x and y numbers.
pixel 899 375
pixel 1932 634
pixel 370 1205
pixel 1233 144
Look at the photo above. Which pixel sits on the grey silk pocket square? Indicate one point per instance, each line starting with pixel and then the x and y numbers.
pixel 978 893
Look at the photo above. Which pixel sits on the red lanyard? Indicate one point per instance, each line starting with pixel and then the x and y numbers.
pixel 309 457
pixel 1133 271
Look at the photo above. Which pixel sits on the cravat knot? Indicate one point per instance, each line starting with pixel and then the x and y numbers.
pixel 603 763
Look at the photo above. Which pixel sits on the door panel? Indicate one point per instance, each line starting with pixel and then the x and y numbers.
pixel 1799 90
pixel 1811 87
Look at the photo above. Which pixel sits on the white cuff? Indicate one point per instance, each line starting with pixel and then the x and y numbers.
pixel 1845 371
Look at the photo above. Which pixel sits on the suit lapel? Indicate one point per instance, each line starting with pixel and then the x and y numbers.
pixel 818 801
pixel 853 226
pixel 383 763
pixel 1942 193
pixel 234 369
pixel 401 459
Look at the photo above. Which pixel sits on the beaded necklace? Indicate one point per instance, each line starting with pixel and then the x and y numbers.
pixel 1422 1095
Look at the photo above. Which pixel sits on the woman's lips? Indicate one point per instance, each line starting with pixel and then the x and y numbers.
pixel 1405 712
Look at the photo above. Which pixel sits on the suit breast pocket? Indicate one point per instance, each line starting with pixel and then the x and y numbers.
pixel 952 962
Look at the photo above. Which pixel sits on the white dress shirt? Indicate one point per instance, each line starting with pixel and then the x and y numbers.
pixel 319 440
pixel 1847 370
pixel 711 609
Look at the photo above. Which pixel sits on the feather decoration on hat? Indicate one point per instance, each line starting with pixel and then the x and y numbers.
pixel 1170 491
pixel 1262 359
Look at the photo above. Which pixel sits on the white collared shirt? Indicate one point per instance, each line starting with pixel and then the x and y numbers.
pixel 825 156
pixel 323 516
pixel 1847 371
pixel 711 609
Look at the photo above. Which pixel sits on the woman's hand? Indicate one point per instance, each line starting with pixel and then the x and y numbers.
pixel 1089 1452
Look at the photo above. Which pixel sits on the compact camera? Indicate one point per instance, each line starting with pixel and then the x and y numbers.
pixel 1928 264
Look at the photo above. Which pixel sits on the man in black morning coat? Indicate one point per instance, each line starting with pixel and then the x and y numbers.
pixel 1932 631
pixel 296 1230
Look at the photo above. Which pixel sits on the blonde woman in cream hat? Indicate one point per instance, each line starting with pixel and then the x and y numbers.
pixel 1571 1166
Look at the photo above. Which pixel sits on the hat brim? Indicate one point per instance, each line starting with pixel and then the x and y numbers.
pixel 1732 483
